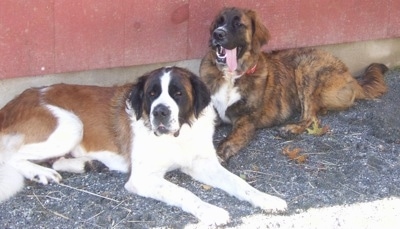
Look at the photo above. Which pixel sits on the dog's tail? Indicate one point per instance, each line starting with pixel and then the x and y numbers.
pixel 11 181
pixel 372 82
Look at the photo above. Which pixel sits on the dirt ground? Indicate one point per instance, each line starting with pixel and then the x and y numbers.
pixel 350 179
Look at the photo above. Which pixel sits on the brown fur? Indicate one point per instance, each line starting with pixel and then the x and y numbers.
pixel 306 80
pixel 97 134
pixel 16 120
pixel 92 104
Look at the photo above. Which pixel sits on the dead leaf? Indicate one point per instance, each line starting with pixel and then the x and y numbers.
pixel 291 153
pixel 243 176
pixel 206 187
pixel 316 129
pixel 294 154
pixel 301 159
pixel 255 168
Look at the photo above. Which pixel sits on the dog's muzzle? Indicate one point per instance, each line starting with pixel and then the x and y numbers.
pixel 161 121
pixel 219 38
pixel 226 49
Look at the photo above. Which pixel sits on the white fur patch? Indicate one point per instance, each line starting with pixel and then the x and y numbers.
pixel 165 99
pixel 11 181
pixel 67 135
pixel 227 95
pixel 112 160
pixel 73 165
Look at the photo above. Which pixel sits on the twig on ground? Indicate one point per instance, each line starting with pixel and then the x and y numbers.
pixel 121 220
pixel 90 193
pixel 297 197
pixel 285 142
pixel 276 191
pixel 263 173
pixel 359 193
pixel 53 212
pixel 45 196
pixel 327 163
pixel 90 218
pixel 139 221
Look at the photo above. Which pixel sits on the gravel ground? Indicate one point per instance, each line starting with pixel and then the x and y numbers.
pixel 350 179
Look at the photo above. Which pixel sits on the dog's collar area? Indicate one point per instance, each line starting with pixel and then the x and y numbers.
pixel 251 70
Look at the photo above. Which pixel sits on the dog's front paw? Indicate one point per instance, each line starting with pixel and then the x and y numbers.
pixel 225 151
pixel 300 127
pixel 222 161
pixel 285 133
pixel 42 175
pixel 271 204
pixel 212 215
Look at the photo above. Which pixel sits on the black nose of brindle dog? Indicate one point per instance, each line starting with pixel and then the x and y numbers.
pixel 219 34
pixel 162 113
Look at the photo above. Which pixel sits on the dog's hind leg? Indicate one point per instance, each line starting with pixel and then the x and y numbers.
pixel 320 90
pixel 308 91
pixel 72 165
pixel 67 135
pixel 341 97
pixel 83 161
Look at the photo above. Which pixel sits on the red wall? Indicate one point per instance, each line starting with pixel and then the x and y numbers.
pixel 51 36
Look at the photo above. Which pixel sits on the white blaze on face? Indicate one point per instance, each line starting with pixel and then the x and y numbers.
pixel 165 99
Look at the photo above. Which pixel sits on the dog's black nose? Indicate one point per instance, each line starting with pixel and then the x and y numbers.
pixel 219 34
pixel 161 112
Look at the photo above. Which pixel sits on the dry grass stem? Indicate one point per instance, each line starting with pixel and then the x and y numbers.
pixel 53 212
pixel 90 193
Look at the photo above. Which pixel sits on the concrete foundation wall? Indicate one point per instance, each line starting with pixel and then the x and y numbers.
pixel 356 55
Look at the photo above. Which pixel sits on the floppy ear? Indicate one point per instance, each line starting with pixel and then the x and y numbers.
pixel 261 34
pixel 201 94
pixel 136 96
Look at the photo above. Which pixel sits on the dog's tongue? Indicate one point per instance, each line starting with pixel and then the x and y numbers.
pixel 231 59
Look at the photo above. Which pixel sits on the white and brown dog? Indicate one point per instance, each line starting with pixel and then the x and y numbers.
pixel 163 122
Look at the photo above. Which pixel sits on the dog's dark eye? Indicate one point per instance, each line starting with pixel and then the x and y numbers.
pixel 178 94
pixel 220 21
pixel 237 23
pixel 152 93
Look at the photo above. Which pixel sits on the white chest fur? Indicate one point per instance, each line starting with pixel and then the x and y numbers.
pixel 166 152
pixel 226 95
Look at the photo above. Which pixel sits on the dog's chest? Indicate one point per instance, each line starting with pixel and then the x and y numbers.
pixel 225 96
pixel 166 152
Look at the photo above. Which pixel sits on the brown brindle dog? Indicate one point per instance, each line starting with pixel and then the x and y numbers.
pixel 252 89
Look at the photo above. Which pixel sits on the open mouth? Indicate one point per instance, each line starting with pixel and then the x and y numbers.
pixel 227 56
pixel 221 53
